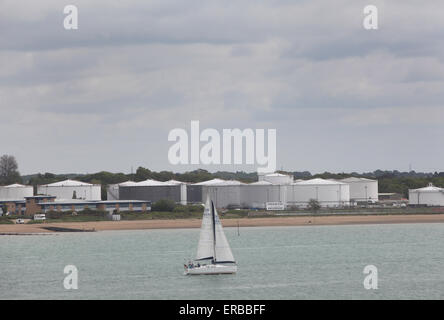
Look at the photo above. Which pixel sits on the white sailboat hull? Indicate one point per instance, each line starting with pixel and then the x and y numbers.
pixel 211 269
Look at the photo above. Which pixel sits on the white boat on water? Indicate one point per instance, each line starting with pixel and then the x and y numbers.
pixel 214 254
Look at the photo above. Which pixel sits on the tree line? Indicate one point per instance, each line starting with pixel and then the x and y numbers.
pixel 389 181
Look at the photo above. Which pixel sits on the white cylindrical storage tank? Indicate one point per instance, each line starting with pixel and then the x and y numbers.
pixel 224 193
pixel 362 189
pixel 183 190
pixel 327 192
pixel 112 192
pixel 16 192
pixel 151 190
pixel 71 189
pixel 276 178
pixel 429 196
pixel 256 195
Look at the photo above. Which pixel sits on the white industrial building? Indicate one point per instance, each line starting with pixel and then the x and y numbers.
pixel 112 192
pixel 362 189
pixel 429 196
pixel 71 189
pixel 15 192
pixel 327 192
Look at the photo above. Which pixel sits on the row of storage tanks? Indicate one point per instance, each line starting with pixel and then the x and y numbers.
pixel 63 190
pixel 270 188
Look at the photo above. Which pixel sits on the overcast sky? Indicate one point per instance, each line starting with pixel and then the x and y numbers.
pixel 105 96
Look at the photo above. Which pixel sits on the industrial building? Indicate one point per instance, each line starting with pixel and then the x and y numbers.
pixel 109 206
pixel 12 207
pixel 15 192
pixel 71 189
pixel 362 189
pixel 328 193
pixel 43 204
pixel 428 196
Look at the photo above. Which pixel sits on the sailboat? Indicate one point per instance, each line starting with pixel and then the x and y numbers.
pixel 214 255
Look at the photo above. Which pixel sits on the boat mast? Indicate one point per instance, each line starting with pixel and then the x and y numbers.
pixel 214 231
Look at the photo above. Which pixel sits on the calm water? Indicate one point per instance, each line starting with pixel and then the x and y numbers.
pixel 313 262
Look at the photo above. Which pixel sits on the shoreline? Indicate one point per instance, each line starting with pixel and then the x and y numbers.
pixel 47 228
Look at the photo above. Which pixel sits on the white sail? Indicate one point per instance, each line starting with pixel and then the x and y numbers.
pixel 223 250
pixel 205 248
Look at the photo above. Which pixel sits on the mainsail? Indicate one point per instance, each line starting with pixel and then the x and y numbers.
pixel 205 248
pixel 212 242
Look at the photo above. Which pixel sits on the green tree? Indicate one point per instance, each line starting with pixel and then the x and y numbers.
pixel 314 205
pixel 9 170
pixel 163 205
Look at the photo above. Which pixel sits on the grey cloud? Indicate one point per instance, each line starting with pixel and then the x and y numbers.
pixel 106 95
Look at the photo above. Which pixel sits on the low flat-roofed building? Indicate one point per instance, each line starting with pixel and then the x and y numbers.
pixel 12 207
pixel 109 206
pixel 384 196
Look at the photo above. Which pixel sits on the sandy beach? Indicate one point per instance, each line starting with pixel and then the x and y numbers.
pixel 245 222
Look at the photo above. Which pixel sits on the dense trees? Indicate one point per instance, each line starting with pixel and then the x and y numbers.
pixel 9 170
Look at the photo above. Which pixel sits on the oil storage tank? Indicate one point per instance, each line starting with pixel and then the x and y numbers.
pixel 224 193
pixel 256 195
pixel 194 190
pixel 327 192
pixel 15 192
pixel 112 192
pixel 276 178
pixel 71 189
pixel 183 190
pixel 362 189
pixel 153 191
pixel 428 196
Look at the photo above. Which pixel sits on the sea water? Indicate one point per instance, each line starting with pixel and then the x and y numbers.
pixel 307 262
